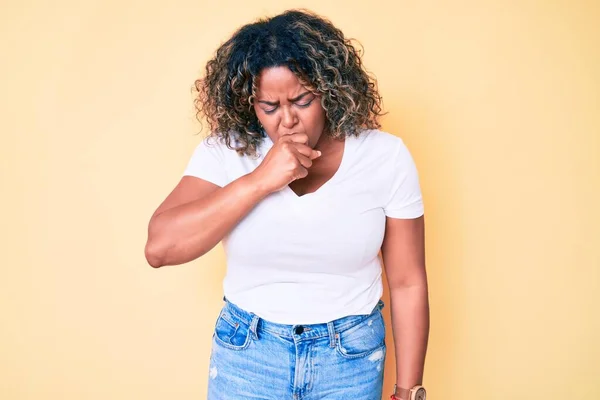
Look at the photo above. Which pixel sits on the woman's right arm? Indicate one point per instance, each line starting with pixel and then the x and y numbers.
pixel 198 214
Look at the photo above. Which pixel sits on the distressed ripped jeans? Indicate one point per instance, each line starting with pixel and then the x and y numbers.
pixel 252 358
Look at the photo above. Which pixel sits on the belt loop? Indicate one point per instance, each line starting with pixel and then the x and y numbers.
pixel 378 307
pixel 331 330
pixel 253 326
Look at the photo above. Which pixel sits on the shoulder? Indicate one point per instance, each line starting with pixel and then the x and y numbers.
pixel 384 153
pixel 379 143
pixel 214 143
pixel 217 146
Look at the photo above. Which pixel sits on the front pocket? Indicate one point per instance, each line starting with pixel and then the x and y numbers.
pixel 231 332
pixel 362 339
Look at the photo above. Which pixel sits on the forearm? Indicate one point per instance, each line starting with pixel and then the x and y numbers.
pixel 186 232
pixel 410 325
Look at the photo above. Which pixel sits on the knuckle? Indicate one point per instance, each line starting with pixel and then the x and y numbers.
pixel 293 162
pixel 286 146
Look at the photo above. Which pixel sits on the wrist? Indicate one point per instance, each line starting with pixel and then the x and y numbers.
pixel 416 392
pixel 401 393
pixel 256 185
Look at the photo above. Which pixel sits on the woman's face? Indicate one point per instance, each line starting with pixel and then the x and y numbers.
pixel 283 106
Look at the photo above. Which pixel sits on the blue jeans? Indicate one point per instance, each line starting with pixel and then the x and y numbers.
pixel 252 358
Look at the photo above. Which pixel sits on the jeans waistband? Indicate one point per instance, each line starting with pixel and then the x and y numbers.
pixel 308 331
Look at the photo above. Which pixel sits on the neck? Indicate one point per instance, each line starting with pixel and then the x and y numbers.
pixel 332 151
pixel 328 145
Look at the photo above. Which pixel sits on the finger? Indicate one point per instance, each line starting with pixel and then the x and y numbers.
pixel 298 138
pixel 307 151
pixel 302 173
pixel 315 154
pixel 306 162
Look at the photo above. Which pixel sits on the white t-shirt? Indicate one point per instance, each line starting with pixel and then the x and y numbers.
pixel 314 258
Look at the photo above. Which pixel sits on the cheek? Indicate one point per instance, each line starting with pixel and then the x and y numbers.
pixel 264 120
pixel 315 118
pixel 270 125
pixel 314 124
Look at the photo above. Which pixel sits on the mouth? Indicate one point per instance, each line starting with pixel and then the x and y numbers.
pixel 294 133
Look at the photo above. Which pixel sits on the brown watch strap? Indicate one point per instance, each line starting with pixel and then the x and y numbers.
pixel 401 393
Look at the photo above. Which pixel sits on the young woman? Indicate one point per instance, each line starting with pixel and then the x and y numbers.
pixel 305 191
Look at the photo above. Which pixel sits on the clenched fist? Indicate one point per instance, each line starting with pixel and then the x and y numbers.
pixel 288 160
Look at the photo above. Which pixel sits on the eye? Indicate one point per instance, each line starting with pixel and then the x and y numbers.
pixel 306 103
pixel 270 111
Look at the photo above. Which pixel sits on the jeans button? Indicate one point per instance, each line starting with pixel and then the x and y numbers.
pixel 299 330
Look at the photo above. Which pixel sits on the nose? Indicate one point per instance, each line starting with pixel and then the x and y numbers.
pixel 289 118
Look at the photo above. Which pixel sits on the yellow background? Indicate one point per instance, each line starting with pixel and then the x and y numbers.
pixel 499 102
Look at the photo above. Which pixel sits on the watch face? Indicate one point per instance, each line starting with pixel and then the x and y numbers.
pixel 420 395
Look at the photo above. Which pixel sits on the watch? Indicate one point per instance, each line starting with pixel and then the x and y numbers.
pixel 417 392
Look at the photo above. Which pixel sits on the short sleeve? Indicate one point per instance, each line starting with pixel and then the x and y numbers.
pixel 208 162
pixel 405 198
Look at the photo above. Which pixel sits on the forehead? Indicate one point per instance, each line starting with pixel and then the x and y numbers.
pixel 279 80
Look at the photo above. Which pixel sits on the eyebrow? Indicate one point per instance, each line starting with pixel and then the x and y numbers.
pixel 295 99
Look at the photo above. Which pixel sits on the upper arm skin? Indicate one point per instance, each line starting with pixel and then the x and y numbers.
pixel 188 189
pixel 403 252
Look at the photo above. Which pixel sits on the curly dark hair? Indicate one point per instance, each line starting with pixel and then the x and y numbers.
pixel 317 52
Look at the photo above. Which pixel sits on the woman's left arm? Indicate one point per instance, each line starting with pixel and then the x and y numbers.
pixel 403 253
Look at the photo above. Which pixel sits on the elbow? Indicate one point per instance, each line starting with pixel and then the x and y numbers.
pixel 156 246
pixel 164 249
pixel 160 254
pixel 154 255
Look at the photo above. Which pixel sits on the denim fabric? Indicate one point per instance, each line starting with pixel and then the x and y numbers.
pixel 253 358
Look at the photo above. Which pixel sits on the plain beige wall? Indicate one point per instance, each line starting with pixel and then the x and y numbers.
pixel 498 101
